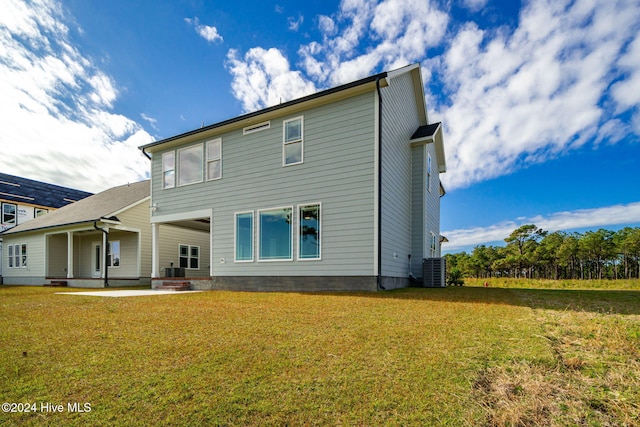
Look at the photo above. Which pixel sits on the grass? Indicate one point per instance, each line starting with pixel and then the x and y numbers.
pixel 454 356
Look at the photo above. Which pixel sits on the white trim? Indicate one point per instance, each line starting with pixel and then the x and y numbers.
pixel 256 128
pixel 183 216
pixel 299 258
pixel 179 166
pixel 376 183
pixel 235 237
pixel 292 234
pixel 285 142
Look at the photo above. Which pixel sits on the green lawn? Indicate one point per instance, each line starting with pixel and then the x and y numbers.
pixel 454 356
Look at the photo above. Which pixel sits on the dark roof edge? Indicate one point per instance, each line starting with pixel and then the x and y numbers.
pixel 320 94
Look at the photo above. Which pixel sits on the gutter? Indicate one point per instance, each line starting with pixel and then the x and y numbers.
pixel 104 251
pixel 379 225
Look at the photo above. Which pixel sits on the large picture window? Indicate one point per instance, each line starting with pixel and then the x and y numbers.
pixel 214 159
pixel 169 169
pixel 244 236
pixel 190 257
pixel 309 232
pixel 276 234
pixel 292 141
pixel 190 165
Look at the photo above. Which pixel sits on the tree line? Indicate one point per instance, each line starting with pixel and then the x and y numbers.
pixel 533 253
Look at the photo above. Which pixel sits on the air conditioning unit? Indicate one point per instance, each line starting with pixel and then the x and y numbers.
pixel 434 272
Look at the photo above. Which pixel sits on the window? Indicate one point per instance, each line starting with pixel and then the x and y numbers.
pixel 23 255
pixel 190 257
pixel 429 172
pixel 40 211
pixel 433 249
pixel 256 128
pixel 244 236
pixel 9 214
pixel 113 254
pixel 309 232
pixel 276 236
pixel 292 141
pixel 190 165
pixel 214 159
pixel 169 169
pixel 17 256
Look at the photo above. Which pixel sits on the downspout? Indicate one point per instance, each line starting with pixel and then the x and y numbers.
pixel 146 154
pixel 104 251
pixel 379 225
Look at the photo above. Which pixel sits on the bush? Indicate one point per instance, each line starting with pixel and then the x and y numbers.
pixel 455 277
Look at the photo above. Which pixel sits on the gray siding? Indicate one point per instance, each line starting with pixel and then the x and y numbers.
pixel 35 257
pixel 338 171
pixel 418 209
pixel 432 203
pixel 399 121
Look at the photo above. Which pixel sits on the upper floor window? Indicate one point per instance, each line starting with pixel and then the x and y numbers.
pixel 214 159
pixel 190 165
pixel 40 211
pixel 169 169
pixel 9 212
pixel 292 141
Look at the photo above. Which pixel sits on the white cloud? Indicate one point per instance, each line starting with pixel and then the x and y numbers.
pixel 56 124
pixel 474 5
pixel 295 23
pixel 264 78
pixel 207 32
pixel 526 95
pixel 570 220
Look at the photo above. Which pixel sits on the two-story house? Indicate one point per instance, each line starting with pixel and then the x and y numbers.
pixel 338 190
pixel 23 199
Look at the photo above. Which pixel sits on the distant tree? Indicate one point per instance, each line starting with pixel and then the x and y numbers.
pixel 522 243
pixel 596 248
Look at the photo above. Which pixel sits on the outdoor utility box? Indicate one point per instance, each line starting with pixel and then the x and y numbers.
pixel 434 272
pixel 174 272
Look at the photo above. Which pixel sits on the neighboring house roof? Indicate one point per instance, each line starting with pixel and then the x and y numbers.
pixel 27 191
pixel 102 206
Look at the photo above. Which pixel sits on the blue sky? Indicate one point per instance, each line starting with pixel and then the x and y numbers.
pixel 539 98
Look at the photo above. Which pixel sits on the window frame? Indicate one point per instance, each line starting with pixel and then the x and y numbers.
pixel 10 256
pixel 291 232
pixel 200 178
pixel 235 237
pixel 208 160
pixel 13 222
pixel 23 255
pixel 429 172
pixel 286 143
pixel 189 257
pixel 38 212
pixel 166 170
pixel 301 235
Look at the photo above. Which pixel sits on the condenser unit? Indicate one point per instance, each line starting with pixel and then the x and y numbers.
pixel 434 272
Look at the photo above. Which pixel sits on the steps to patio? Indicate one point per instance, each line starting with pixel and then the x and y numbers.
pixel 56 283
pixel 175 286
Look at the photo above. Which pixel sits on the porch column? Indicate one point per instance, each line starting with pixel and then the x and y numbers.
pixel 155 250
pixel 69 254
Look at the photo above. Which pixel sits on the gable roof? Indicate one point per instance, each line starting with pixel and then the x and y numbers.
pixel 432 133
pixel 101 206
pixel 27 191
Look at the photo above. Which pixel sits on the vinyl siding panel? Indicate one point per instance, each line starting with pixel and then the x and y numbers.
pixel 432 203
pixel 170 240
pixel 35 256
pixel 418 209
pixel 338 172
pixel 399 121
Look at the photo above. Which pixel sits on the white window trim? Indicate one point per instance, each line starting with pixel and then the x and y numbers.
pixel 189 256
pixel 15 213
pixel 178 166
pixel 14 256
pixel 235 237
pixel 175 176
pixel 257 127
pixel 319 204
pixel 207 160
pixel 293 234
pixel 285 142
pixel 110 260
